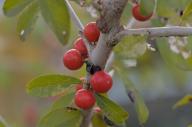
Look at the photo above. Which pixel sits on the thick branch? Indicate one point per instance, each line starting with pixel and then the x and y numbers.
pixel 157 32
pixel 109 25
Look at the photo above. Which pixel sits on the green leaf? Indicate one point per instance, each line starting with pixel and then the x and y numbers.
pixel 50 85
pixel 56 15
pixel 171 58
pixel 165 9
pixel 2 122
pixel 97 121
pixel 13 7
pixel 111 110
pixel 64 101
pixel 140 106
pixel 61 118
pixel 147 7
pixel 131 46
pixel 171 9
pixel 187 11
pixel 189 125
pixel 27 19
pixel 184 101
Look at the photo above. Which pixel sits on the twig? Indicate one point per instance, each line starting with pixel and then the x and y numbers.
pixel 74 16
pixel 109 62
pixel 157 32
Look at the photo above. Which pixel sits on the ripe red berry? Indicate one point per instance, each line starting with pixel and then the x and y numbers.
pixel 84 99
pixel 91 32
pixel 72 59
pixel 137 14
pixel 101 82
pixel 80 46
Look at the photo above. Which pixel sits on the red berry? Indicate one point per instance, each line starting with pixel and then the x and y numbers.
pixel 84 99
pixel 101 82
pixel 91 32
pixel 80 46
pixel 72 59
pixel 137 14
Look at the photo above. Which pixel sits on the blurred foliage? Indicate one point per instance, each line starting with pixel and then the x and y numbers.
pixel 135 97
pixel 2 122
pixel 184 101
pixel 61 117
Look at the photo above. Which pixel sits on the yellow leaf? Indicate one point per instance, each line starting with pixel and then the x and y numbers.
pixel 184 101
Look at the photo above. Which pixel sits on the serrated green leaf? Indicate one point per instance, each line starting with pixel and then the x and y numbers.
pixel 111 110
pixel 27 19
pixel 56 14
pixel 13 7
pixel 147 7
pixel 140 106
pixel 64 101
pixel 172 58
pixel 184 101
pixel 50 85
pixel 97 121
pixel 131 46
pixel 61 118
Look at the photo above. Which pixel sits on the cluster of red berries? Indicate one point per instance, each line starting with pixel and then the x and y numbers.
pixel 74 58
pixel 101 82
pixel 137 14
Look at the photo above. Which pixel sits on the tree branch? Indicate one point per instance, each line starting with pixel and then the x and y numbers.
pixel 109 27
pixel 156 32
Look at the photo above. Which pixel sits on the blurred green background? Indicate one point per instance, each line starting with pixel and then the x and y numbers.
pixel 159 84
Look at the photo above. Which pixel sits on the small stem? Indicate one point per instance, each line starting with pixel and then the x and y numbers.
pixel 74 16
pixel 109 62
